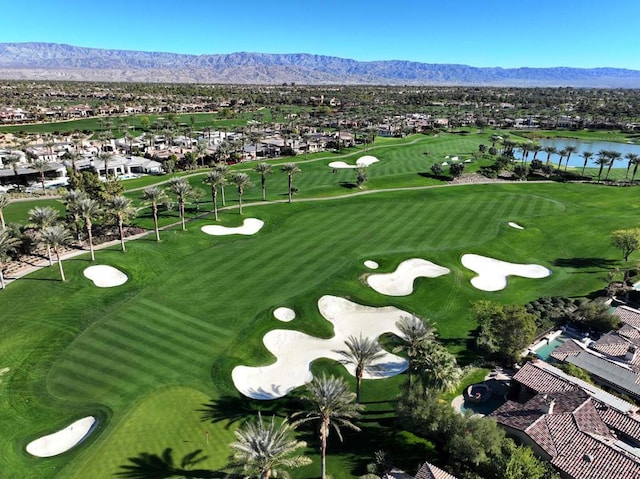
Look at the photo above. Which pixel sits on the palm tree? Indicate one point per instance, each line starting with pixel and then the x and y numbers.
pixel 632 160
pixel 361 177
pixel 89 209
pixel 105 156
pixel 13 160
pixel 56 237
pixel 550 150
pixel 4 201
pixel 290 169
pixel 264 169
pixel 562 153
pixel 535 147
pixel 214 179
pixel 568 150
pixel 71 200
pixel 182 189
pixel 40 164
pixel 331 403
pixel 439 370
pixel 122 208
pixel 8 243
pixel 586 155
pixel 265 450
pixel 241 180
pixel 41 217
pixel 155 196
pixel 200 150
pixel 636 162
pixel 223 169
pixel 415 335
pixel 603 159
pixel 613 157
pixel 361 353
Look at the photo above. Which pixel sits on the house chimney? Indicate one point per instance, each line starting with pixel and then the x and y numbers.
pixel 547 405
pixel 630 356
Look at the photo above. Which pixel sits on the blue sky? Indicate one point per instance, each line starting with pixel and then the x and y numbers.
pixel 485 33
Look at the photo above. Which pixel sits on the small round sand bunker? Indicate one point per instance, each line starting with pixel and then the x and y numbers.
pixel 371 264
pixel 63 440
pixel 105 276
pixel 515 225
pixel 284 314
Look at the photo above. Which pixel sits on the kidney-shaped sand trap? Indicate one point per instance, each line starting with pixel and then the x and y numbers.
pixel 295 351
pixel 492 273
pixel 104 276
pixel 361 162
pixel 63 440
pixel 250 226
pixel 400 282
pixel 284 314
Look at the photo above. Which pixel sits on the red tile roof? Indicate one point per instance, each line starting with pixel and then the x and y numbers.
pixel 628 316
pixel 429 471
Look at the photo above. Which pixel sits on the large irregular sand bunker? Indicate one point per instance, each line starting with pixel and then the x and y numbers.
pixel 104 276
pixel 362 162
pixel 250 226
pixel 63 440
pixel 492 273
pixel 295 351
pixel 400 281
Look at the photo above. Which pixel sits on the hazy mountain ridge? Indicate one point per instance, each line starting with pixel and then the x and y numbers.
pixel 66 62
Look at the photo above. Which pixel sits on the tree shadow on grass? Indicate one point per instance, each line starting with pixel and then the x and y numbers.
pixel 154 466
pixel 235 409
pixel 585 263
pixel 349 185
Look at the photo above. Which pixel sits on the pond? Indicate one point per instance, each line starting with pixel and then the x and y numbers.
pixel 581 146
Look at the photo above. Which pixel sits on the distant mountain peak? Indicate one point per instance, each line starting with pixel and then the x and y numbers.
pixel 54 61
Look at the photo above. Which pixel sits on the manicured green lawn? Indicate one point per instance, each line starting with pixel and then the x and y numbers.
pixel 152 359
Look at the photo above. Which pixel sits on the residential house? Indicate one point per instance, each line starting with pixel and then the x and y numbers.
pixel 429 471
pixel 583 431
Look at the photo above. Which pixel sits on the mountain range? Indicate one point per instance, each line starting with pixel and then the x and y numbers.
pixel 52 61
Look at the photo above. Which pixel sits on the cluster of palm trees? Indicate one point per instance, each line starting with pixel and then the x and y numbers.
pixel 265 449
pixel 605 158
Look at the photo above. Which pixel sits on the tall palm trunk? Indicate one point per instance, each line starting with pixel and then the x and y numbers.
pixel 60 264
pixel 2 285
pixel 222 191
pixel 635 170
pixel 214 198
pixel 182 214
pixel 263 180
pixel 359 374
pixel 154 208
pixel 324 432
pixel 290 185
pixel 90 235
pixel 121 230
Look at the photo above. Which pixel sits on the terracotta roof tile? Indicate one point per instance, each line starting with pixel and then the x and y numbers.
pixel 429 471
pixel 628 315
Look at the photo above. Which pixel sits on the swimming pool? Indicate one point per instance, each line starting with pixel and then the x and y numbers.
pixel 483 408
pixel 544 351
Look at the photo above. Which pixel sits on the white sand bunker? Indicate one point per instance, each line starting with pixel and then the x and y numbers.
pixel 371 264
pixel 63 440
pixel 492 273
pixel 361 162
pixel 104 276
pixel 515 225
pixel 250 226
pixel 400 282
pixel 284 314
pixel 295 351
